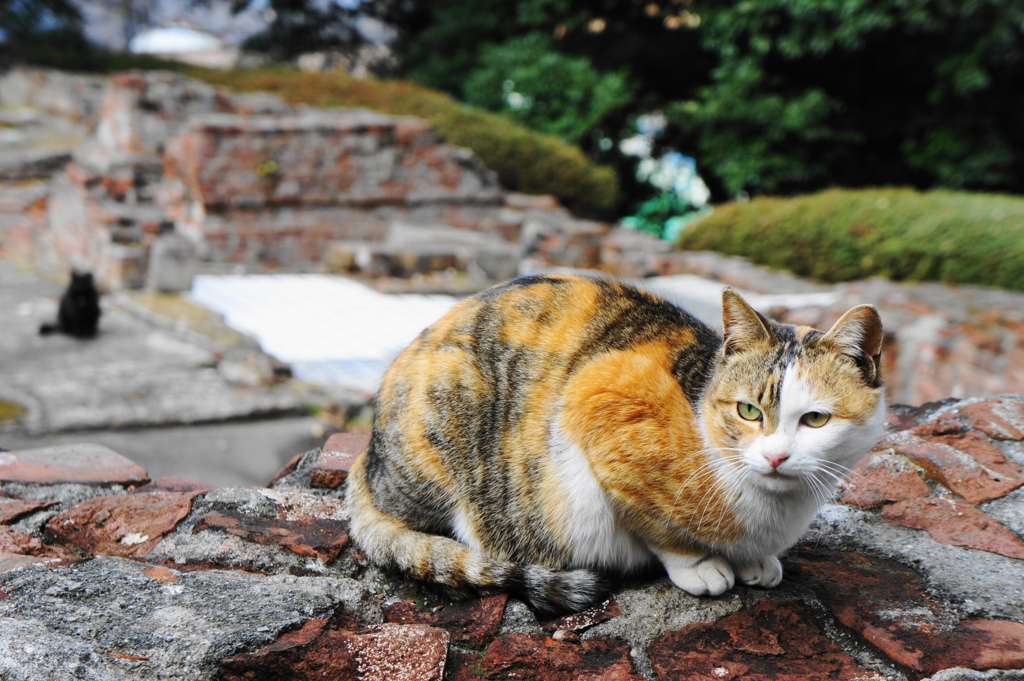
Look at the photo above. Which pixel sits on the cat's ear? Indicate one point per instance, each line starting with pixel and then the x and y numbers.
pixel 858 336
pixel 745 328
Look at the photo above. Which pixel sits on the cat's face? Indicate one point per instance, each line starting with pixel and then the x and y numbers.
pixel 791 408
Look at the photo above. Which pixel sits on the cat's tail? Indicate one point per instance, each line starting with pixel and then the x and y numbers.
pixel 47 329
pixel 389 542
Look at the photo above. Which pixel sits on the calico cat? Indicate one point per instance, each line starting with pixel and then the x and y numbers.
pixel 556 428
pixel 79 311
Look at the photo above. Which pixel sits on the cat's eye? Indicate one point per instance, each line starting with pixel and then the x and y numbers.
pixel 815 419
pixel 748 412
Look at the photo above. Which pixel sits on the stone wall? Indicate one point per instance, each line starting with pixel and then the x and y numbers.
pixel 257 184
pixel 913 572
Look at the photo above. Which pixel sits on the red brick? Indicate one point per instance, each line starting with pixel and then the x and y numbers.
pixel 81 463
pixel 336 458
pixel 15 561
pixel 313 537
pixel 12 509
pixel 387 652
pixel 888 605
pixel 881 478
pixel 773 641
pixel 13 541
pixel 957 469
pixel 161 574
pixel 473 622
pixel 591 617
pixel 537 656
pixel 173 484
pixel 955 522
pixel 999 419
pixel 127 525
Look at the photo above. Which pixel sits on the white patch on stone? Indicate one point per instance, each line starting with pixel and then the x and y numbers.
pixel 134 538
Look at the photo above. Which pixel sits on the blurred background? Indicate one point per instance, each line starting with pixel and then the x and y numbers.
pixel 274 196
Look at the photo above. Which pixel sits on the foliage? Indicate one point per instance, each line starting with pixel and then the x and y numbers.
pixel 527 79
pixel 902 234
pixel 301 26
pixel 458 45
pixel 774 96
pixel 654 214
pixel 525 160
pixel 811 93
pixel 28 27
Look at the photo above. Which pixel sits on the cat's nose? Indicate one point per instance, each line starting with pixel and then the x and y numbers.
pixel 775 459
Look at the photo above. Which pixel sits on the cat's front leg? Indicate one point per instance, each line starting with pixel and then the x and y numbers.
pixel 698 575
pixel 766 572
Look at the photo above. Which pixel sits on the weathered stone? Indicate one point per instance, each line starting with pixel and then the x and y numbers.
pixel 880 478
pixel 86 463
pixel 12 509
pixel 287 470
pixel 384 652
pixel 591 617
pixel 537 656
pixel 129 525
pixel 161 574
pixel 19 542
pixel 955 522
pixel 472 623
pixel 999 419
pixel 336 457
pixel 771 641
pixel 173 261
pixel 109 605
pixel 314 537
pixel 957 469
pixel 888 605
pixel 174 484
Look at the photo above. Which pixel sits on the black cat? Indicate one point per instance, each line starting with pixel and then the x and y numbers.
pixel 79 312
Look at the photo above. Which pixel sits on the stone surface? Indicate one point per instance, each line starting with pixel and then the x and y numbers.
pixel 772 641
pixel 890 607
pixel 382 653
pixel 956 468
pixel 998 419
pixel 540 657
pixel 12 509
pixel 106 618
pixel 129 525
pixel 956 522
pixel 317 538
pixel 83 463
pixel 174 484
pixel 336 457
pixel 882 478
pixel 591 617
pixel 19 542
pixel 472 623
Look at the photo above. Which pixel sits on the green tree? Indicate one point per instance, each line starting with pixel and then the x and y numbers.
pixel 527 79
pixel 811 93
pixel 30 26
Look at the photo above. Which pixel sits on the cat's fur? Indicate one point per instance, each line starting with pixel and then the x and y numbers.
pixel 553 428
pixel 79 311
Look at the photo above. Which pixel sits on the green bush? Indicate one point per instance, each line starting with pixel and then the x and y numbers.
pixel 525 160
pixel 530 81
pixel 901 234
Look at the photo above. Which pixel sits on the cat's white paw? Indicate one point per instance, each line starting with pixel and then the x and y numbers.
pixel 766 572
pixel 700 576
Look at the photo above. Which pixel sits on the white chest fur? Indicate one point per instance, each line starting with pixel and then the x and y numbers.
pixel 591 529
